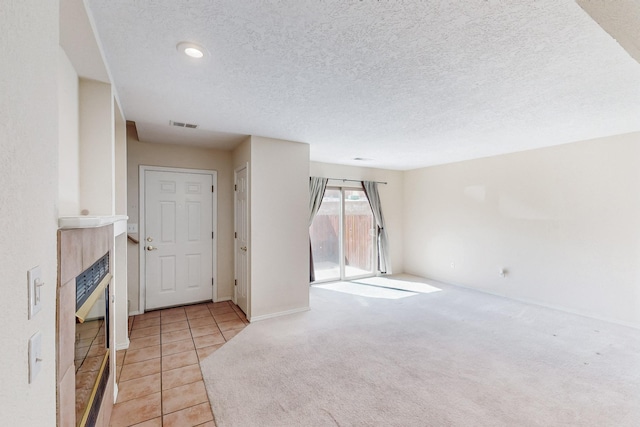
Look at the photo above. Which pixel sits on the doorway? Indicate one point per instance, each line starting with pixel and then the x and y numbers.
pixel 241 294
pixel 177 236
pixel 343 236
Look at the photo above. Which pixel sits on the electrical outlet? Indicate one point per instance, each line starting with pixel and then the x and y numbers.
pixel 34 279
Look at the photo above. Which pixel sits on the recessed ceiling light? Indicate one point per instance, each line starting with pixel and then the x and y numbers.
pixel 191 49
pixel 193 52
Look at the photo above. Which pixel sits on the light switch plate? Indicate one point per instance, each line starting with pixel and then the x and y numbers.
pixel 35 356
pixel 34 279
pixel 132 228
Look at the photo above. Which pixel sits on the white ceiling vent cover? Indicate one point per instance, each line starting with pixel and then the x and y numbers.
pixel 182 125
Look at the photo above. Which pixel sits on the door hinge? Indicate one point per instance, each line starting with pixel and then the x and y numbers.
pixel 235 187
pixel 212 281
pixel 235 283
pixel 212 235
pixel 212 188
pixel 235 234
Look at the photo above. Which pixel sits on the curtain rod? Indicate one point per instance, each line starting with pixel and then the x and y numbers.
pixel 355 180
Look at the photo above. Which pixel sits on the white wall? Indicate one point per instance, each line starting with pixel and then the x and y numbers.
pixel 279 247
pixel 564 221
pixel 69 151
pixel 242 154
pixel 120 160
pixel 28 203
pixel 121 291
pixel 391 196
pixel 121 243
pixel 97 148
pixel 180 156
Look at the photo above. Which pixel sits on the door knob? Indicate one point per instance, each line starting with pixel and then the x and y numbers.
pixel 149 239
pixel 151 248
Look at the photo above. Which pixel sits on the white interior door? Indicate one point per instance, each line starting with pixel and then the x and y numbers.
pixel 242 232
pixel 178 238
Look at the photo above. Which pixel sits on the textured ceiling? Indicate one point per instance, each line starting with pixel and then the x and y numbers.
pixel 404 83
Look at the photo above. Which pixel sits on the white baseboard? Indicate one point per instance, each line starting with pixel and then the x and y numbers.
pixel 135 313
pixel 278 314
pixel 224 299
pixel 123 346
pixel 545 305
pixel 573 311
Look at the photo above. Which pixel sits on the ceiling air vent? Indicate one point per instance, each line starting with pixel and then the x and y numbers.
pixel 182 125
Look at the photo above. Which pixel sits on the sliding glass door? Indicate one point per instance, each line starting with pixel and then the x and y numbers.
pixel 358 241
pixel 342 236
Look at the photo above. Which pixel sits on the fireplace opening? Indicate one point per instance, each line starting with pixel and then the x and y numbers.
pixel 91 361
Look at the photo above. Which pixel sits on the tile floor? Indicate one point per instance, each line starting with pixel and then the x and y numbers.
pixel 159 378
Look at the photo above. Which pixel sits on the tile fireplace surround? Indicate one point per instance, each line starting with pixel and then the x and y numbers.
pixel 78 249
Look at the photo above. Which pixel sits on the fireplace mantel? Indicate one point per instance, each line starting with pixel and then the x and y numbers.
pixel 85 221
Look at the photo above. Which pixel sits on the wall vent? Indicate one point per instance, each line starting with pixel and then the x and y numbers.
pixel 182 125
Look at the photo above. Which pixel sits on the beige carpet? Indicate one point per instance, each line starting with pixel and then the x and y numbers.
pixel 407 358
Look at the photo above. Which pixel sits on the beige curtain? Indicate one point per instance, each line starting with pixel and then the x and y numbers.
pixel 384 260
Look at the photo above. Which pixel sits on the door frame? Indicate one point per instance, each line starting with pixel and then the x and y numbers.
pixel 142 278
pixel 235 240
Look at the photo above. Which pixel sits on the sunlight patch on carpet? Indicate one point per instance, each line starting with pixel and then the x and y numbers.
pixel 365 290
pixel 395 283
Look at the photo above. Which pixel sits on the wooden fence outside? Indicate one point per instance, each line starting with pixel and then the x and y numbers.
pixel 358 234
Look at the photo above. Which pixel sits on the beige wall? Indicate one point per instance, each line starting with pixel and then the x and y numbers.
pixel 69 148
pixel 120 161
pixel 279 246
pixel 97 182
pixel 179 156
pixel 242 154
pixel 29 139
pixel 120 291
pixel 391 196
pixel 563 221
